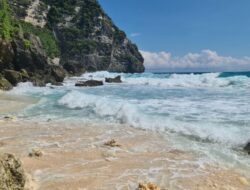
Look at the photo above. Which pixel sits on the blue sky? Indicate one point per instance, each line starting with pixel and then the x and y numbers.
pixel 181 27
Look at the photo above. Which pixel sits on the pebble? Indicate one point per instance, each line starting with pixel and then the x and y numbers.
pixel 243 181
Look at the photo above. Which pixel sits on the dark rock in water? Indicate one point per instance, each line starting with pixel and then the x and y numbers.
pixel 14 77
pixel 57 83
pixel 12 175
pixel 114 80
pixel 37 81
pixel 89 83
pixel 247 148
pixel 4 84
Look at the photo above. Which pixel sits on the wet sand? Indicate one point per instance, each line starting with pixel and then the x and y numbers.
pixel 11 103
pixel 75 158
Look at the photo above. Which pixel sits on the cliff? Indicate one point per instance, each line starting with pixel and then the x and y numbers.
pixel 43 40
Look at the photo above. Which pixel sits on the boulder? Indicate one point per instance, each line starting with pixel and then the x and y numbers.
pixel 25 75
pixel 4 84
pixel 247 148
pixel 89 83
pixel 114 80
pixel 12 175
pixel 14 77
pixel 58 73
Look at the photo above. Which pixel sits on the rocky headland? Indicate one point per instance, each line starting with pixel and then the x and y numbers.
pixel 44 41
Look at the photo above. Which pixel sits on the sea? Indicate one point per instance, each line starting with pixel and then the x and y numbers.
pixel 205 113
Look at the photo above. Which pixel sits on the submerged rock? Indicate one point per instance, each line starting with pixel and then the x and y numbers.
pixel 114 80
pixel 12 175
pixel 247 148
pixel 147 186
pixel 89 83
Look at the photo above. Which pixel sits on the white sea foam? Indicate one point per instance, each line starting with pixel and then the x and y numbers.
pixel 205 80
pixel 200 108
pixel 133 113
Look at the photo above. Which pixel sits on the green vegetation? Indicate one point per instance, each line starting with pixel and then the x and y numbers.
pixel 5 20
pixel 46 36
pixel 27 43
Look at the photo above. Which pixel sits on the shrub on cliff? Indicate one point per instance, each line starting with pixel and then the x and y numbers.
pixel 5 20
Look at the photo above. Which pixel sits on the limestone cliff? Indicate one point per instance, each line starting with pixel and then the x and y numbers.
pixel 43 40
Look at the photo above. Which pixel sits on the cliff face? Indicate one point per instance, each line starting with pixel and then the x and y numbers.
pixel 42 40
pixel 87 38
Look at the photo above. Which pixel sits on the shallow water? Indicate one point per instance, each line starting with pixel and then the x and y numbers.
pixel 208 113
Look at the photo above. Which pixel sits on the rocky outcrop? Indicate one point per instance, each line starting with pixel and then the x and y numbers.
pixel 14 77
pixel 247 148
pixel 89 83
pixel 12 175
pixel 88 39
pixel 29 63
pixel 114 80
pixel 4 84
pixel 78 34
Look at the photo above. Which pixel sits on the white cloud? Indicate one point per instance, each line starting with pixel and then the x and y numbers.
pixel 135 34
pixel 206 60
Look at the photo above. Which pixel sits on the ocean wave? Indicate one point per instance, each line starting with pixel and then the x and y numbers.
pixel 233 74
pixel 133 113
pixel 167 80
pixel 102 106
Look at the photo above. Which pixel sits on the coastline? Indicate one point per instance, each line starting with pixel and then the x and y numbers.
pixel 75 157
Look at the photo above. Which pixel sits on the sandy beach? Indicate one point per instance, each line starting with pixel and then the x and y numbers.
pixel 75 157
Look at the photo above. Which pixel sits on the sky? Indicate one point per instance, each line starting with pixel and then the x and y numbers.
pixel 186 35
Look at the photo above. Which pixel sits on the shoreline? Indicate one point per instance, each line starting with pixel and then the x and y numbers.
pixel 75 157
pixel 12 103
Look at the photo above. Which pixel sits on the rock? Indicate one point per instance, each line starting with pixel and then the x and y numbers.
pixel 4 84
pixel 114 80
pixel 73 67
pixel 147 186
pixel 14 77
pixel 89 83
pixel 25 75
pixel 243 181
pixel 9 118
pixel 12 175
pixel 58 73
pixel 57 84
pixel 35 153
pixel 112 143
pixel 247 148
pixel 92 42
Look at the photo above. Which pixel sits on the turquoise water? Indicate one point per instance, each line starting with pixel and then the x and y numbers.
pixel 204 112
